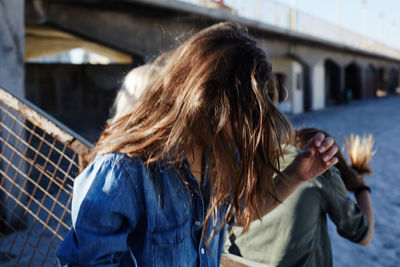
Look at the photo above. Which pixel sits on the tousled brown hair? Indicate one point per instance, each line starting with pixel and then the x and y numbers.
pixel 219 77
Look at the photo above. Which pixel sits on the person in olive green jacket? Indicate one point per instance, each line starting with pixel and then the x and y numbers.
pixel 295 233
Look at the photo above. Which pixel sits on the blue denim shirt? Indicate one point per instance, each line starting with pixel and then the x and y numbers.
pixel 120 219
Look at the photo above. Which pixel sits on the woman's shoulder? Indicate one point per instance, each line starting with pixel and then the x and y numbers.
pixel 111 172
pixel 117 159
pixel 116 163
pixel 331 181
pixel 107 182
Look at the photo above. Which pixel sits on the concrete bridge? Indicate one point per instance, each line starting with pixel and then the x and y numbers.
pixel 317 72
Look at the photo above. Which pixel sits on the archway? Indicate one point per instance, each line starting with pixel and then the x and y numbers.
pixel 292 75
pixel 332 83
pixel 353 81
pixel 371 81
pixel 73 79
pixel 382 82
pixel 393 80
pixel 281 84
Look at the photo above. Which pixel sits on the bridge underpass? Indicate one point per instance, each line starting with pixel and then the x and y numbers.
pixel 144 29
pixel 333 80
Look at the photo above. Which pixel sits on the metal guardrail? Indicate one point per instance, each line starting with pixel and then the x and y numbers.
pixel 39 158
pixel 273 13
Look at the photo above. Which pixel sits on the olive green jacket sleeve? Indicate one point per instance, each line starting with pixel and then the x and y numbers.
pixel 350 221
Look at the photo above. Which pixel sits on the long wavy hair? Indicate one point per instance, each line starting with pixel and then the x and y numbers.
pixel 219 78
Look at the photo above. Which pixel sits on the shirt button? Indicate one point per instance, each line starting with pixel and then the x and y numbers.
pixel 198 223
pixel 202 251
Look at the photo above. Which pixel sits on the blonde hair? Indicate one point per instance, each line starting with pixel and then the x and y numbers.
pixel 360 151
pixel 135 83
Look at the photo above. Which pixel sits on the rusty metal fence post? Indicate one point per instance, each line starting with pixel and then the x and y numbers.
pixel 38 163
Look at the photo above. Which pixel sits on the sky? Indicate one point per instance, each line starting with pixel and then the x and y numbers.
pixel 377 19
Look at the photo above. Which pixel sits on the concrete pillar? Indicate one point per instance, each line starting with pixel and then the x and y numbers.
pixel 12 46
pixel 297 88
pixel 317 72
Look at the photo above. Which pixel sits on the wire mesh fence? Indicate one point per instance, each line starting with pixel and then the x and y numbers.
pixel 39 159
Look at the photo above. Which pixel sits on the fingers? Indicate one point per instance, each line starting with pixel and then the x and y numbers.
pixel 316 140
pixel 326 144
pixel 322 143
pixel 327 147
pixel 328 156
pixel 331 162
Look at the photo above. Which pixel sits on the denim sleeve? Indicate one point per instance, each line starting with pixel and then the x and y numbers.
pixel 350 221
pixel 104 211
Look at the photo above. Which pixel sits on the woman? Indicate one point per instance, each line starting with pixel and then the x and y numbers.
pixel 295 233
pixel 199 148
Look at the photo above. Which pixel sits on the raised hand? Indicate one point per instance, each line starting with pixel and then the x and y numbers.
pixel 314 159
pixel 352 179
